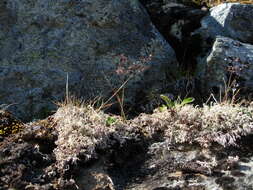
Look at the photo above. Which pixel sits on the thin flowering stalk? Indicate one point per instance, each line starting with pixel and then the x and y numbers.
pixel 114 94
pixel 126 68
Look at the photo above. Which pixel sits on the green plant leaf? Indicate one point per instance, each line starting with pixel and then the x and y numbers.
pixel 168 101
pixel 187 101
pixel 162 108
pixel 110 121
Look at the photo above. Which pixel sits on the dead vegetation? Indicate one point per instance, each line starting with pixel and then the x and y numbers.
pixel 212 3
pixel 82 129
pixel 78 134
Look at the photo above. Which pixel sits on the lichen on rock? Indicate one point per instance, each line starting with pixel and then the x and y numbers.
pixel 9 124
pixel 46 41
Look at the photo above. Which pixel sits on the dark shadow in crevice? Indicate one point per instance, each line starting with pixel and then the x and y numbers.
pixel 187 19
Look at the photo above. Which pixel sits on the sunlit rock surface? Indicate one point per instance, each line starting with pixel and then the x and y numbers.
pixel 97 44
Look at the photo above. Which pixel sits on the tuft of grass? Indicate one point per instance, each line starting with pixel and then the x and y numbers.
pixel 220 123
pixel 119 94
pixel 80 130
pixel 212 3
pixel 228 94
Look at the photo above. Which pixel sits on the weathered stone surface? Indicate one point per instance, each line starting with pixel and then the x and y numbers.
pixel 229 60
pixel 42 41
pixel 232 20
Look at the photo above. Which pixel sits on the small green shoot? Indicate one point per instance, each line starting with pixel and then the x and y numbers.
pixel 110 121
pixel 169 104
pixel 168 101
pixel 187 101
pixel 162 108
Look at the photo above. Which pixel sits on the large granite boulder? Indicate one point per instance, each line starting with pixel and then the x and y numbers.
pixel 98 44
pixel 232 20
pixel 230 64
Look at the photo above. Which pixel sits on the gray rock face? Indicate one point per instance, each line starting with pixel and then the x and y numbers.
pixel 228 58
pixel 232 20
pixel 92 41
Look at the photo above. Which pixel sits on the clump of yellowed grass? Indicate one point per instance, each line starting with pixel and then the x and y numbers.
pixel 212 3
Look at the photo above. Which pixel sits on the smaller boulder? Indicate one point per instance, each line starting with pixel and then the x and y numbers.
pixel 232 20
pixel 230 62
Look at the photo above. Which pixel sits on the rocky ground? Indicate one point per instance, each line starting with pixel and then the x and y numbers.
pixel 179 148
pixel 132 52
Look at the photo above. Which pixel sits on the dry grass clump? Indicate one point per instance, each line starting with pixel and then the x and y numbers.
pixel 212 3
pixel 216 2
pixel 82 129
pixel 220 123
pixel 79 130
